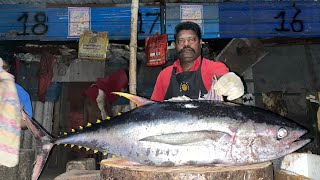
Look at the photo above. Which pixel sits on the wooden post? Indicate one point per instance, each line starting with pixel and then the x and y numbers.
pixel 117 168
pixel 133 50
pixel 162 16
pixel 318 113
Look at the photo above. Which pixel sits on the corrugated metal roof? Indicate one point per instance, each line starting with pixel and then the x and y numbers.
pixel 61 1
pixel 70 1
pixel 79 2
pixel 113 2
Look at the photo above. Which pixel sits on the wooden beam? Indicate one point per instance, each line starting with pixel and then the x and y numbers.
pixel 133 50
pixel 241 54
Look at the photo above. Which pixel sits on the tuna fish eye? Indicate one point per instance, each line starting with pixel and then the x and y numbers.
pixel 282 132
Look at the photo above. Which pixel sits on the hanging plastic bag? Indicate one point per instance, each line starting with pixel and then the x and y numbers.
pixel 93 45
pixel 156 49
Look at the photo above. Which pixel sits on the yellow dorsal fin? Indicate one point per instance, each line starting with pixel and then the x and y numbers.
pixel 98 121
pixel 80 127
pixel 72 145
pixel 79 147
pixel 65 133
pixel 87 149
pixel 72 130
pixel 140 101
pixel 89 125
pixel 108 118
pixel 105 153
pixel 95 151
pixel 119 113
pixel 65 145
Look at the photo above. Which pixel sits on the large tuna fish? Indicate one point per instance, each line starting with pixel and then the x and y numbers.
pixel 192 132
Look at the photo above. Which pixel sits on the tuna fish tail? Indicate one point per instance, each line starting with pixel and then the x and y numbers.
pixel 44 144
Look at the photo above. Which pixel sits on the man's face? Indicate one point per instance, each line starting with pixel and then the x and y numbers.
pixel 188 45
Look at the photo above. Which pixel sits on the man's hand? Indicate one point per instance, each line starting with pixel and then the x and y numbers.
pixel 229 85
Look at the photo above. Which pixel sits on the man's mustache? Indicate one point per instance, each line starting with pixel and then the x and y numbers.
pixel 186 48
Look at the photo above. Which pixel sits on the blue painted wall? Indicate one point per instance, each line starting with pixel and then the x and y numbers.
pixel 269 19
pixel 18 22
pixel 210 27
pixel 221 20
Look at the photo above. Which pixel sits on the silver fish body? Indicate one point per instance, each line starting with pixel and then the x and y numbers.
pixel 193 133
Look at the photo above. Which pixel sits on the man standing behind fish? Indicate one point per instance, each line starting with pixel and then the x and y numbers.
pixel 192 74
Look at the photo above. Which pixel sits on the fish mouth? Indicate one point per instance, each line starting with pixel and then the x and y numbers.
pixel 297 141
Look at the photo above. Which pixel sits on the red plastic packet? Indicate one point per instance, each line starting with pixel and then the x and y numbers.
pixel 156 49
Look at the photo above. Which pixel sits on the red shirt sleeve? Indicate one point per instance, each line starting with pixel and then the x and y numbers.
pixel 162 84
pixel 209 69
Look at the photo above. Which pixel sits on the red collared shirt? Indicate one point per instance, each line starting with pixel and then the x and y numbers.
pixel 208 70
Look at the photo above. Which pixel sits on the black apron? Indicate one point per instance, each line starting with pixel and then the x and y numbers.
pixel 186 83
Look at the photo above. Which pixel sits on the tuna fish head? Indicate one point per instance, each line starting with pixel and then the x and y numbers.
pixel 257 141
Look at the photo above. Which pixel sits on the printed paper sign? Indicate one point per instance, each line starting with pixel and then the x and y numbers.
pixel 192 13
pixel 79 21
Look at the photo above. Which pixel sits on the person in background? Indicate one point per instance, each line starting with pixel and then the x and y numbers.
pixel 24 97
pixel 191 73
pixel 10 118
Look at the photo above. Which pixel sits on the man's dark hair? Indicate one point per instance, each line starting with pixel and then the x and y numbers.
pixel 8 56
pixel 188 26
